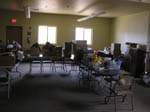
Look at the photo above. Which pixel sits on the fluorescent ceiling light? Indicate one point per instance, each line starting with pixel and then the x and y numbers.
pixel 89 17
pixel 140 1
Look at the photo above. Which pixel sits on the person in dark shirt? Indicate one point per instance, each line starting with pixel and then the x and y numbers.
pixel 49 48
pixel 36 45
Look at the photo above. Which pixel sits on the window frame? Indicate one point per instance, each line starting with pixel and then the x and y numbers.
pixel 47 34
pixel 84 34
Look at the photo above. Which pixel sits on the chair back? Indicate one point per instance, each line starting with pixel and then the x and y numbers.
pixel 125 83
pixel 45 52
pixel 68 48
pixel 58 51
pixel 34 51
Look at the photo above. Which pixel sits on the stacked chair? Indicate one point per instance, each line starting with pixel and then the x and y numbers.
pixel 47 57
pixel 35 58
pixel 68 48
pixel 10 67
pixel 78 49
pixel 5 81
pixel 58 59
pixel 67 54
pixel 87 76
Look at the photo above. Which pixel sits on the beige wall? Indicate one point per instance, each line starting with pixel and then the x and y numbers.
pixel 132 28
pixel 65 27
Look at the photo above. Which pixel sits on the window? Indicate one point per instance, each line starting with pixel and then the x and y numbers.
pixel 47 34
pixel 84 34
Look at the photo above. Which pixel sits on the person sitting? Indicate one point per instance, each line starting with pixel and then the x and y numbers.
pixel 36 45
pixel 17 45
pixel 15 48
pixel 48 45
pixel 49 48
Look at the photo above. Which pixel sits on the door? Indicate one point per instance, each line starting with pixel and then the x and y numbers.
pixel 13 33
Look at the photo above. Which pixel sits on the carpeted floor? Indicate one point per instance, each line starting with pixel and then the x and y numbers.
pixel 60 92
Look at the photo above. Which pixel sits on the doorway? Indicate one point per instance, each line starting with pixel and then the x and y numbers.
pixel 13 33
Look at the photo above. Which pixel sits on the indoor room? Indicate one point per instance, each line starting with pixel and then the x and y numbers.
pixel 75 55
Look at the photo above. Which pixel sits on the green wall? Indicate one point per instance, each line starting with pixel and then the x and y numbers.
pixel 132 28
pixel 65 27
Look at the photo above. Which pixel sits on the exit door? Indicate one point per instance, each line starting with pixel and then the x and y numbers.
pixel 14 33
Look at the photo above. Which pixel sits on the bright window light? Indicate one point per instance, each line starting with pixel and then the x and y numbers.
pixel 88 35
pixel 46 34
pixel 84 34
pixel 79 33
pixel 42 34
pixel 52 35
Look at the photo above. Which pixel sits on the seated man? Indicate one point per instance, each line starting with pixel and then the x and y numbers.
pixel 49 49
pixel 36 45
pixel 48 45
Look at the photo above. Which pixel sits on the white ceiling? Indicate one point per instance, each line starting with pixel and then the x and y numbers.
pixel 113 8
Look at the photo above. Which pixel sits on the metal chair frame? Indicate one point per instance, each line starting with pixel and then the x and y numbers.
pixel 125 85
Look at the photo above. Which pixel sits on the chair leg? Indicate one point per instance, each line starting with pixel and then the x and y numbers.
pixel 50 66
pixel 30 69
pixel 65 67
pixel 115 104
pixel 41 67
pixel 9 84
pixel 96 86
pixel 8 91
pixel 123 98
pixel 107 98
pixel 18 71
pixel 54 67
pixel 79 74
pixel 132 103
